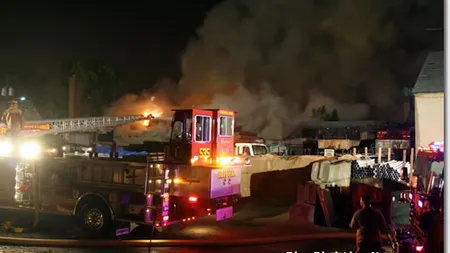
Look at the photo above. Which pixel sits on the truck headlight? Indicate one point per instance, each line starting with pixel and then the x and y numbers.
pixel 30 150
pixel 5 148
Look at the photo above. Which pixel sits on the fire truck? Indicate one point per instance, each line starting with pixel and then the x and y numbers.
pixel 427 182
pixel 197 174
pixel 397 140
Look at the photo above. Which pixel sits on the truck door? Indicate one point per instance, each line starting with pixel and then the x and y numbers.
pixel 179 149
pixel 225 134
pixel 201 137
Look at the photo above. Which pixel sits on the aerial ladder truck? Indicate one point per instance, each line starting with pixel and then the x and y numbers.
pixel 15 131
pixel 196 175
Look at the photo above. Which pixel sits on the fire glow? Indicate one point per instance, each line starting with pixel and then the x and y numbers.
pixel 155 114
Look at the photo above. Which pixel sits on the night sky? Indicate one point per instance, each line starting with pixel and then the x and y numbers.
pixel 143 41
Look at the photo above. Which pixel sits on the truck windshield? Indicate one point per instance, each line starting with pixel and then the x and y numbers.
pixel 181 126
pixel 259 150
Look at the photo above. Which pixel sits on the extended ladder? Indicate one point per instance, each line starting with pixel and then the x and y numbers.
pixel 87 124
pixel 91 124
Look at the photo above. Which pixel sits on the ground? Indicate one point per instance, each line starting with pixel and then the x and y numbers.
pixel 303 247
pixel 253 221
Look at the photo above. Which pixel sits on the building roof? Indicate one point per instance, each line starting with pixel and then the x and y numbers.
pixel 320 124
pixel 431 77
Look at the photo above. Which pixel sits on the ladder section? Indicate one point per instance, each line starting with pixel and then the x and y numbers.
pixel 156 185
pixel 87 124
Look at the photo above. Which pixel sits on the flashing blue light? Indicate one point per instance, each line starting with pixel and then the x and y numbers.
pixel 23 98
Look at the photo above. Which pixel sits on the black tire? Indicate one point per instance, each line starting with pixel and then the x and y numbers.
pixel 95 220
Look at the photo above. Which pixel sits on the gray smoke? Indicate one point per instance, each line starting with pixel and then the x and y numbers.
pixel 274 61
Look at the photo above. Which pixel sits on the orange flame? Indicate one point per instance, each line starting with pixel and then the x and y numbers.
pixel 156 112
pixel 145 104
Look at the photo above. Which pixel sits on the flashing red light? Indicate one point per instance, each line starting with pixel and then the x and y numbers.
pixel 193 218
pixel 419 248
pixel 208 209
pixel 224 203
pixel 192 199
pixel 166 218
pixel 189 218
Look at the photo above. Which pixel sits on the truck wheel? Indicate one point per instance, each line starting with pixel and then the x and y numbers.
pixel 95 220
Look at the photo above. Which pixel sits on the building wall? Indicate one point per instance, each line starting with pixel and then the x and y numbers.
pixel 429 118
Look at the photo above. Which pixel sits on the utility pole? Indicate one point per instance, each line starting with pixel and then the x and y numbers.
pixel 7 90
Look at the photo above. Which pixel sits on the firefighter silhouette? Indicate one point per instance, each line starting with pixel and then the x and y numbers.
pixel 13 118
pixel 171 176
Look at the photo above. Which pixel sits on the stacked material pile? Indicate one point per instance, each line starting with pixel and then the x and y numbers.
pixel 381 171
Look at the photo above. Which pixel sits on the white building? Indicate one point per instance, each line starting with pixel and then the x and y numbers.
pixel 429 101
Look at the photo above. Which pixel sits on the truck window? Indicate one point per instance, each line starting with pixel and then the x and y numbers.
pixel 188 128
pixel 177 130
pixel 202 128
pixel 225 126
pixel 259 150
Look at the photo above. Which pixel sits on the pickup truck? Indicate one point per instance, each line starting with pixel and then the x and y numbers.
pixel 250 149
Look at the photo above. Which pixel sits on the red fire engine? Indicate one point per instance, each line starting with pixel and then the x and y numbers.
pixel 427 182
pixel 196 175
pixel 396 140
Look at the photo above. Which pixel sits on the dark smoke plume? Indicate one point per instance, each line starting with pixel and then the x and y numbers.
pixel 274 61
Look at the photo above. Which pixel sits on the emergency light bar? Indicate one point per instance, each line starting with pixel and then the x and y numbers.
pixel 436 145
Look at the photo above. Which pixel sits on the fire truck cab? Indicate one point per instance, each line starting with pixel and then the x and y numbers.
pixel 201 172
pixel 201 137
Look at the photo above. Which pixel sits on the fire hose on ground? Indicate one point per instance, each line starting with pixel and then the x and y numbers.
pixel 34 242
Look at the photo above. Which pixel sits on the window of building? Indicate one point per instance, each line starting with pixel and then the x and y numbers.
pixel 226 126
pixel 202 128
